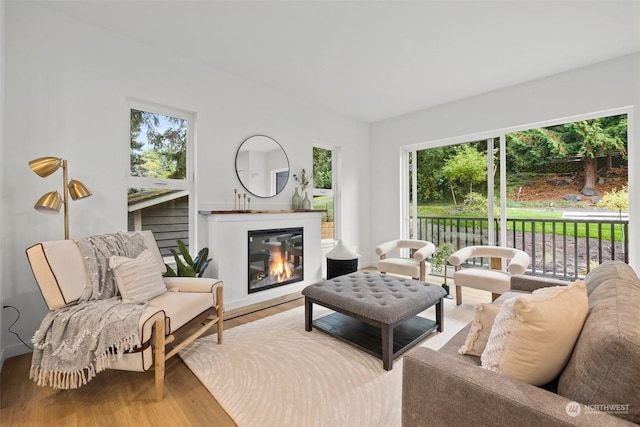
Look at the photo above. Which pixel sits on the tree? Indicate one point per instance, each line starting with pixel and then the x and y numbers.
pixel 589 138
pixel 586 139
pixel 615 200
pixel 321 168
pixel 430 181
pixel 169 144
pixel 468 166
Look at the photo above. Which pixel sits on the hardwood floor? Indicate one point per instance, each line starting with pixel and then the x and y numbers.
pixel 121 398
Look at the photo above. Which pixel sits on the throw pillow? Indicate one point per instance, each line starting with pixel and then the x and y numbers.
pixel 533 335
pixel 139 279
pixel 480 329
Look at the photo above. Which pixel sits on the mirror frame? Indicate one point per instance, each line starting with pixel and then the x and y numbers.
pixel 247 185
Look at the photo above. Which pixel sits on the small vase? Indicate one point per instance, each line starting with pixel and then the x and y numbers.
pixel 295 200
pixel 306 203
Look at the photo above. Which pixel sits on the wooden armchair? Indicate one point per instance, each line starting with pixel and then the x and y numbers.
pixel 415 267
pixel 493 279
pixel 188 303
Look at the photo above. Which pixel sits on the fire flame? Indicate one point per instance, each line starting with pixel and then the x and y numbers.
pixel 279 267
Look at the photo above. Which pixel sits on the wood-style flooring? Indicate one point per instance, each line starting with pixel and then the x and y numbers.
pixel 121 398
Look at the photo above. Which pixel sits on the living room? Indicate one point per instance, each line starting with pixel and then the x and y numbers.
pixel 68 84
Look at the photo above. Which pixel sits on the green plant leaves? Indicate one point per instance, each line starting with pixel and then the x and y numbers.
pixel 187 266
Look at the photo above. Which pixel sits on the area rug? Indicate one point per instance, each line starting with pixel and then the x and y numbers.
pixel 272 373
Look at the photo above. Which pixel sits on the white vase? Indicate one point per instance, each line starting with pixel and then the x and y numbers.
pixel 295 200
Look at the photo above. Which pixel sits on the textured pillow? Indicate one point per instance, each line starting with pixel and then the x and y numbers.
pixel 533 335
pixel 139 279
pixel 480 329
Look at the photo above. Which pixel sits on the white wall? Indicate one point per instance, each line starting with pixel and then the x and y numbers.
pixel 66 95
pixel 2 157
pixel 599 87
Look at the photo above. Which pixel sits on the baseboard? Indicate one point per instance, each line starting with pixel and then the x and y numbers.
pixel 12 351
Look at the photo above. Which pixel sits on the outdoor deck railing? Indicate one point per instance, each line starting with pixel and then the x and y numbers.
pixel 556 246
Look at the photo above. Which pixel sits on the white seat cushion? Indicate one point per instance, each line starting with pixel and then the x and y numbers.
pixel 403 266
pixel 181 307
pixel 495 281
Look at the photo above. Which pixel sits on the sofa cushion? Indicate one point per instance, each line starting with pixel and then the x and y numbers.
pixel 533 335
pixel 604 366
pixel 139 279
pixel 485 315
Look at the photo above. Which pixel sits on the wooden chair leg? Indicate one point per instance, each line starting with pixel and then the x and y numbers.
pixel 220 311
pixel 458 295
pixel 158 358
pixel 220 326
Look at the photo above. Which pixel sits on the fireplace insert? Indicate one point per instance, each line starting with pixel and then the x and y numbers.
pixel 275 258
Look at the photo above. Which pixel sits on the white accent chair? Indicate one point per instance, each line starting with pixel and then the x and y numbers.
pixel 493 279
pixel 60 272
pixel 415 267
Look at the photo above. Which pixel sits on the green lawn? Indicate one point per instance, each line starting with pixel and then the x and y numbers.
pixel 531 214
pixel 326 203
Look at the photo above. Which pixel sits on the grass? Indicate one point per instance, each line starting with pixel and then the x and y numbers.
pixel 537 215
pixel 326 203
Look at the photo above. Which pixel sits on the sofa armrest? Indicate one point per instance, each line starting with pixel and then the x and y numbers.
pixel 531 283
pixel 196 284
pixel 439 390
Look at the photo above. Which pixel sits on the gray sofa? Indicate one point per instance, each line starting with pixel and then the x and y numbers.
pixel 603 374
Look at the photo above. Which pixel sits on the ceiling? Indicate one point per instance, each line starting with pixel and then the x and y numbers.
pixel 373 60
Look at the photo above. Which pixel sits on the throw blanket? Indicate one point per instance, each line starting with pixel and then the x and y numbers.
pixel 75 343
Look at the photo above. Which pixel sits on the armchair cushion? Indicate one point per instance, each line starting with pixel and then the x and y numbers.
pixel 415 267
pixel 533 335
pixel 139 279
pixel 495 281
pixel 181 307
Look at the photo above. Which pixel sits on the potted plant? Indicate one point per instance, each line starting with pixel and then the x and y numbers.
pixel 439 262
pixel 190 267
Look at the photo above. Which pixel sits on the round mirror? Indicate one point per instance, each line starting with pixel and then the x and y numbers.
pixel 262 166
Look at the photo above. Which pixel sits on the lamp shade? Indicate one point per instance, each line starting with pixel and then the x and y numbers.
pixel 78 190
pixel 45 166
pixel 49 203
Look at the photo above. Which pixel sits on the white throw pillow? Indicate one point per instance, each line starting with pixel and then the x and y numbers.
pixel 533 335
pixel 480 329
pixel 139 279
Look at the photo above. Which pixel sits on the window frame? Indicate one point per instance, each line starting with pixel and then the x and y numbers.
pixel 187 184
pixel 334 191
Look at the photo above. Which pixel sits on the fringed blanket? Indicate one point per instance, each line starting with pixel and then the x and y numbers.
pixel 75 343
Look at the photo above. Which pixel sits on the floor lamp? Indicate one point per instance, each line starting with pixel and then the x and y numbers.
pixel 51 202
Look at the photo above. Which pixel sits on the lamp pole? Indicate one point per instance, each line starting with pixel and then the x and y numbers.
pixel 65 199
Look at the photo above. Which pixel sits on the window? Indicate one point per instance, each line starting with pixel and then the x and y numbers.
pixel 324 188
pixel 159 180
pixel 558 190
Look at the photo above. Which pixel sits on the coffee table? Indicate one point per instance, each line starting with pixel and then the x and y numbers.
pixel 375 312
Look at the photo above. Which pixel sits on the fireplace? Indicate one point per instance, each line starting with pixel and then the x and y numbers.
pixel 275 258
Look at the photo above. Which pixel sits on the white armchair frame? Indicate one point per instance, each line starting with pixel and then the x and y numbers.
pixel 415 267
pixel 493 279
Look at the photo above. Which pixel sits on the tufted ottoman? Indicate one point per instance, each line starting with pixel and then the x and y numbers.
pixel 375 312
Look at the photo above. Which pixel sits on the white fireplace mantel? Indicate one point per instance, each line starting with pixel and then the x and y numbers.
pixel 227 239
